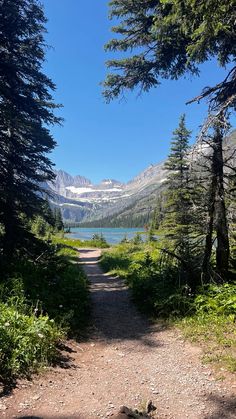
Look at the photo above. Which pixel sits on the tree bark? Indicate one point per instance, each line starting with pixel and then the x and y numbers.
pixel 222 234
pixel 217 217
pixel 210 226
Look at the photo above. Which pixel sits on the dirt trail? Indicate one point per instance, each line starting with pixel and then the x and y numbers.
pixel 125 361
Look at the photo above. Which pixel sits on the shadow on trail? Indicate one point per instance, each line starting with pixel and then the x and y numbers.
pixel 225 407
pixel 64 357
pixel 6 387
pixel 115 318
pixel 64 360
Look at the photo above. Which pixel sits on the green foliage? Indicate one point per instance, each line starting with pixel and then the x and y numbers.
pixel 26 111
pixel 46 225
pixel 116 259
pixel 40 228
pixel 59 286
pixel 124 220
pixel 166 39
pixel 98 240
pixel 40 301
pixel 27 339
pixel 158 214
pixel 58 222
pixel 48 214
pixel 178 224
pixel 217 299
pixel 137 239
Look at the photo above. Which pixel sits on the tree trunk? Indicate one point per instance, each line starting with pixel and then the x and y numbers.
pixel 217 217
pixel 222 250
pixel 210 226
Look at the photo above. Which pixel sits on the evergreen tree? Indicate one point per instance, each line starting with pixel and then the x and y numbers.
pixel 58 223
pixel 169 38
pixel 39 227
pixel 26 111
pixel 48 213
pixel 158 213
pixel 176 226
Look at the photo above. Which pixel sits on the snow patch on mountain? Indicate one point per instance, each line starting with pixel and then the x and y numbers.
pixel 81 191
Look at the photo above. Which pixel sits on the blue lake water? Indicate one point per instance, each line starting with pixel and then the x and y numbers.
pixel 112 235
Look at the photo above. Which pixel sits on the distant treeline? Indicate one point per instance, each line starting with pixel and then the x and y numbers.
pixel 116 222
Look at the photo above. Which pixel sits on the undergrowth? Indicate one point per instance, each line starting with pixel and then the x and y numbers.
pixel 41 302
pixel 97 240
pixel 206 316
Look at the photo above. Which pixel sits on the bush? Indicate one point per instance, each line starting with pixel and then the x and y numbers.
pixel 59 288
pixel 218 299
pixel 96 241
pixel 113 261
pixel 27 342
pixel 39 303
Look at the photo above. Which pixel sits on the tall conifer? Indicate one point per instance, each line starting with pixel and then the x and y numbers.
pixel 176 225
pixel 26 111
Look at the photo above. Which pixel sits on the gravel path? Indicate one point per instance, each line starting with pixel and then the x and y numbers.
pixel 125 361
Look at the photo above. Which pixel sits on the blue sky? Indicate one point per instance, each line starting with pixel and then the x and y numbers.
pixel 121 139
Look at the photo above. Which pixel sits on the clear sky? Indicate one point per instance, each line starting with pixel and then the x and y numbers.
pixel 121 139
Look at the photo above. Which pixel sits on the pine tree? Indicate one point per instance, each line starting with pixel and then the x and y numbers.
pixel 176 226
pixel 58 219
pixel 26 111
pixel 48 213
pixel 158 213
pixel 165 39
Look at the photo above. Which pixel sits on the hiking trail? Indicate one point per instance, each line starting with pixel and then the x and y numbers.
pixel 125 361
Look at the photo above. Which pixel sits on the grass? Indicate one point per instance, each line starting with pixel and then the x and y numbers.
pixel 217 336
pixel 96 241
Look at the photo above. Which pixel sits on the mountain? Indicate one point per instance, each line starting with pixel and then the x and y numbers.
pixel 82 201
pixel 113 203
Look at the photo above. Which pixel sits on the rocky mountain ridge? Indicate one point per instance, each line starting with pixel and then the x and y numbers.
pixel 82 201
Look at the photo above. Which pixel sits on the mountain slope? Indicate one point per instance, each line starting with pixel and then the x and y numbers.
pixel 113 203
pixel 82 201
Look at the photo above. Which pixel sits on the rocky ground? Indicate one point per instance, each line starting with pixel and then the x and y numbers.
pixel 125 361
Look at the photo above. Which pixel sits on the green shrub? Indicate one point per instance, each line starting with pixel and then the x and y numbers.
pixel 27 342
pixel 220 299
pixel 97 241
pixel 111 261
pixel 38 300
pixel 59 288
pixel 137 239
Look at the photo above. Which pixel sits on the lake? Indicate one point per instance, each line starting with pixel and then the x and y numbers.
pixel 112 235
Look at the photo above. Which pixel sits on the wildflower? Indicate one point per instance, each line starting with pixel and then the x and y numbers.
pixel 60 306
pixel 40 335
pixel 7 324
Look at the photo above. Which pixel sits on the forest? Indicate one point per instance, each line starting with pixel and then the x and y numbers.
pixel 187 275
